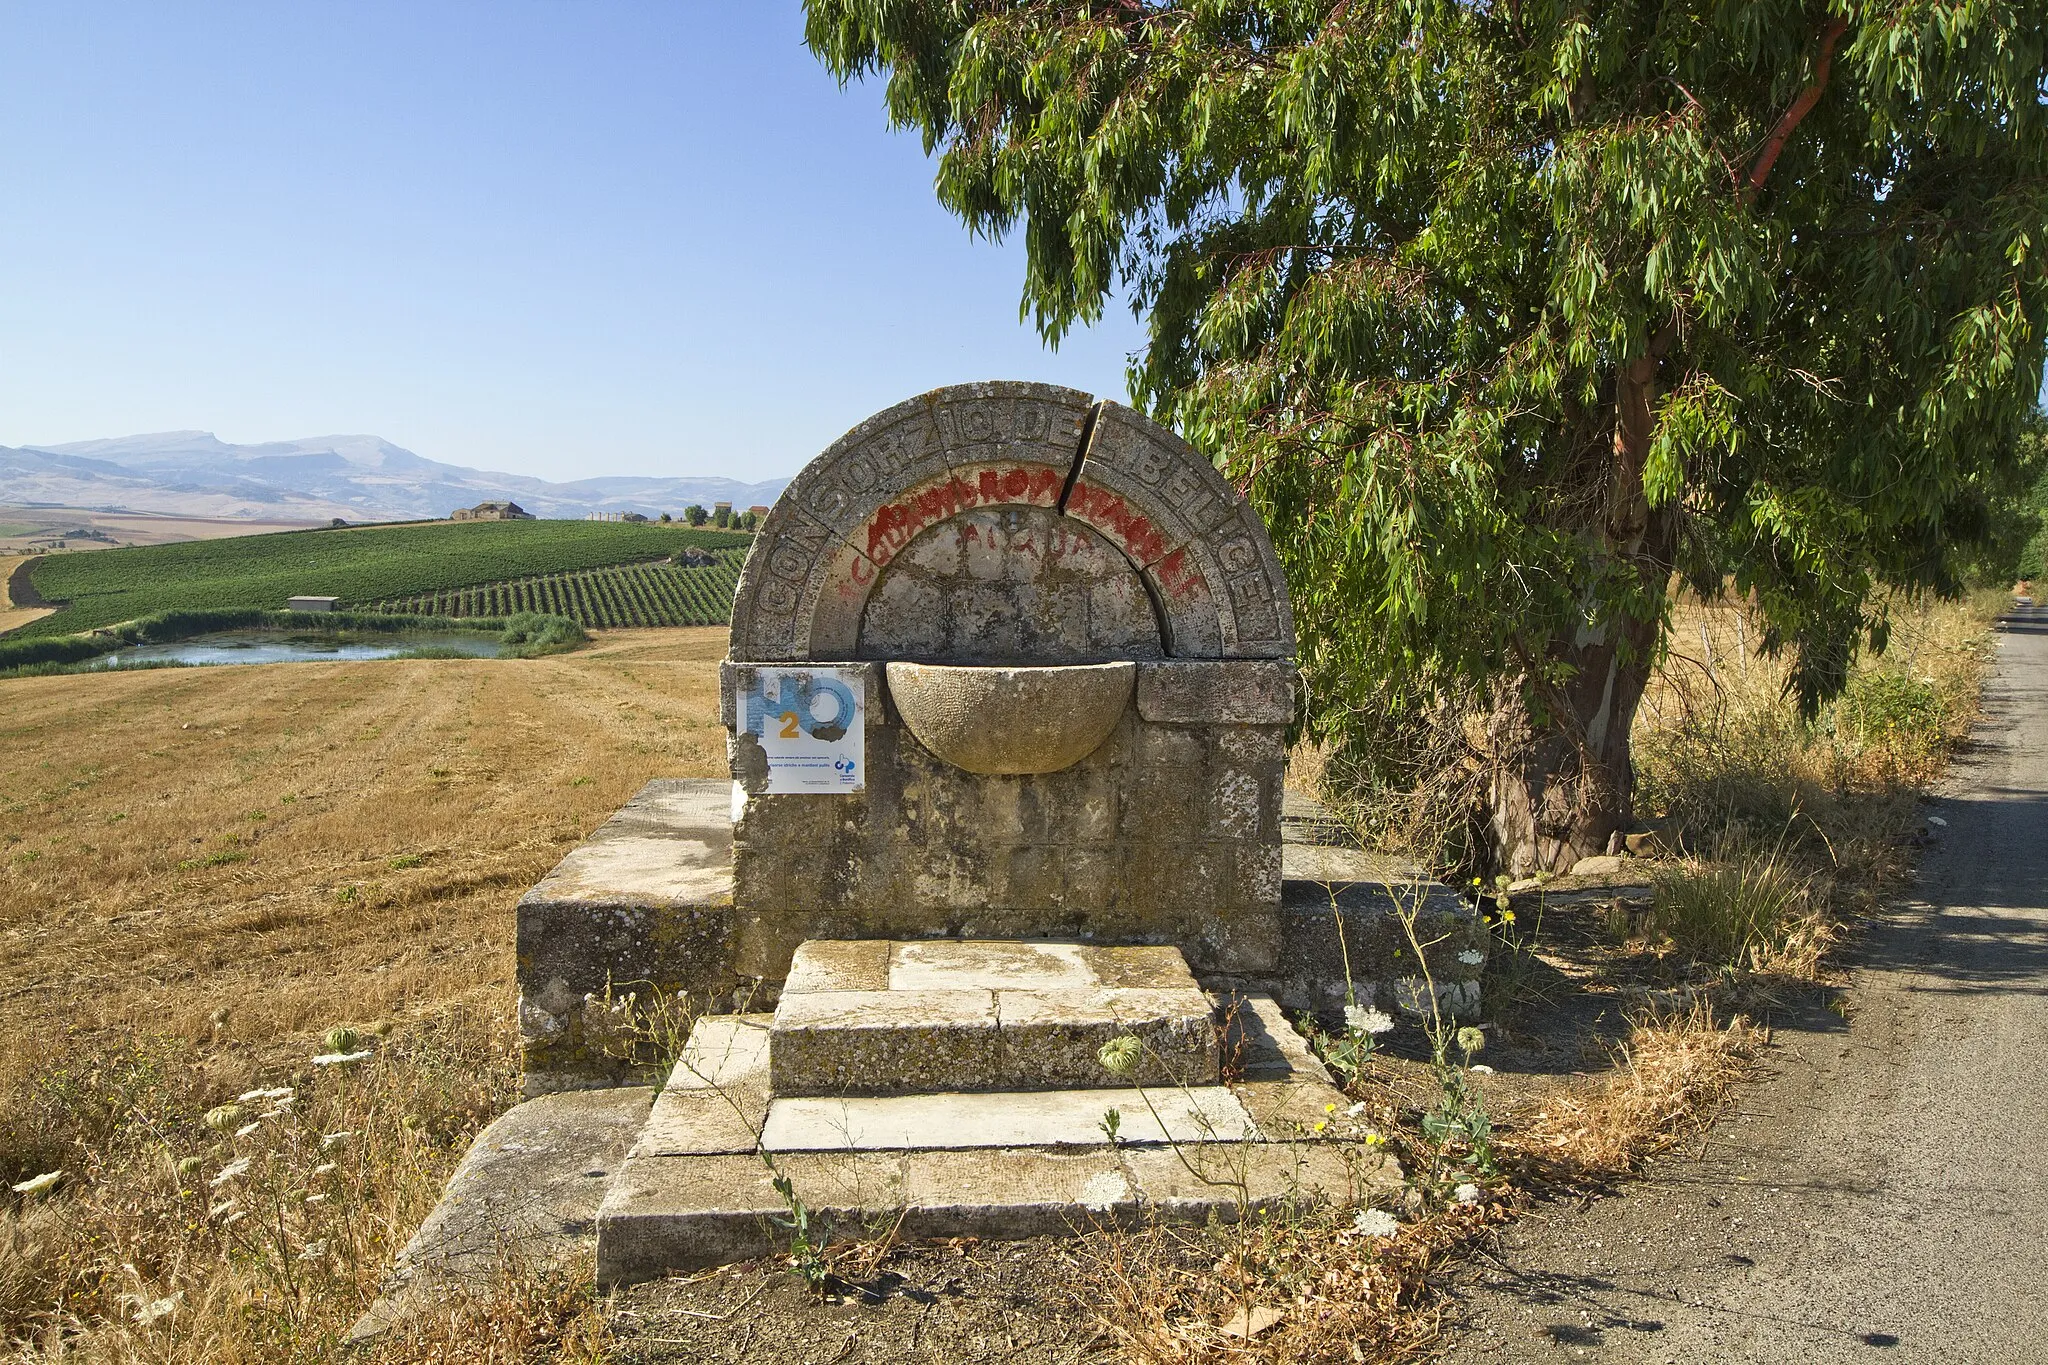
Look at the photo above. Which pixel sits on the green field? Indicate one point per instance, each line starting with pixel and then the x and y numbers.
pixel 361 566
pixel 656 594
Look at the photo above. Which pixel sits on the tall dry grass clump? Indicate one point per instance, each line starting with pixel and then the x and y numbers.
pixel 1782 825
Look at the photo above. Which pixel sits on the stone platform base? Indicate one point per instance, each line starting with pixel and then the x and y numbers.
pixel 685 1183
pixel 698 1187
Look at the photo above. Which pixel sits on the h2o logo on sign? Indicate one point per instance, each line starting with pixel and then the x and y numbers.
pixel 795 707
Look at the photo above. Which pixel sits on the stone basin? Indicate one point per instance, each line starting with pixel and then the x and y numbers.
pixel 992 719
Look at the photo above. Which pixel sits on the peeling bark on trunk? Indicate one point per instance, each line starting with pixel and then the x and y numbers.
pixel 1562 784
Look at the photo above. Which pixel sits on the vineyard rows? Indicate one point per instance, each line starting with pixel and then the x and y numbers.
pixel 359 565
pixel 658 594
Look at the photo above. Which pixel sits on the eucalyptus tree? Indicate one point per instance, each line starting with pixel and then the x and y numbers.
pixel 1512 315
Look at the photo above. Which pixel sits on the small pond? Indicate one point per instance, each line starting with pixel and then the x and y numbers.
pixel 277 647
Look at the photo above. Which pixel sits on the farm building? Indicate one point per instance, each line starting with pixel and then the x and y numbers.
pixel 491 511
pixel 311 603
pixel 757 511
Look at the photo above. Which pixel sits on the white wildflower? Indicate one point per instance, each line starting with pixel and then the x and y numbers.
pixel 234 1170
pixel 1471 957
pixel 1368 1020
pixel 1355 1110
pixel 313 1251
pixel 37 1184
pixel 1375 1223
pixel 330 1141
pixel 1465 1194
pixel 340 1058
pixel 146 1313
pixel 283 1092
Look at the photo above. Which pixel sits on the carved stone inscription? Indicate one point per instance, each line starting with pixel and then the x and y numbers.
pixel 1197 549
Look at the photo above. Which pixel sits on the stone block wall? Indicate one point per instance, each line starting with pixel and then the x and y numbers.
pixel 1168 833
pixel 638 912
pixel 1349 934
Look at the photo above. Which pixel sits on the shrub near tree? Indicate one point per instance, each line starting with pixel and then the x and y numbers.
pixel 1508 315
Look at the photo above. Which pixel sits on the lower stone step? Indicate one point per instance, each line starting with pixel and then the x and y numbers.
pixel 680 1213
pixel 881 1017
pixel 1036 1118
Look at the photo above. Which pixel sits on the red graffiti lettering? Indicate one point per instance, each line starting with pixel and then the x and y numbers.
pixel 1181 576
pixel 1109 513
pixel 895 524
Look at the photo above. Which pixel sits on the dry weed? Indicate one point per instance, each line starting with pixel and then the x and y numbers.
pixel 523 1314
pixel 188 1225
pixel 1288 1288
pixel 1666 1081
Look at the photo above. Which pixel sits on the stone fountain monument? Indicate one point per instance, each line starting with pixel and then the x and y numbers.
pixel 1007 698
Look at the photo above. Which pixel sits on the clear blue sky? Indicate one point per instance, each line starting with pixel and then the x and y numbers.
pixel 565 239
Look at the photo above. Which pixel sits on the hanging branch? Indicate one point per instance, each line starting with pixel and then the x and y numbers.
pixel 1801 106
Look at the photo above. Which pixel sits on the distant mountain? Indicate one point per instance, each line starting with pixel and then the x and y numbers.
pixel 359 478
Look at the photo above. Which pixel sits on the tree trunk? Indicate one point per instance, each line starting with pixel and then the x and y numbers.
pixel 1562 784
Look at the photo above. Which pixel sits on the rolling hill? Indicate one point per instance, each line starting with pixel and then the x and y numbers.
pixel 358 478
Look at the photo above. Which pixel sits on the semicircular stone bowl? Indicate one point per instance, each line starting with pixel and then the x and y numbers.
pixel 1003 720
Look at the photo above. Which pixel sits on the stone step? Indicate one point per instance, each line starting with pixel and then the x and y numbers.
pixel 883 1017
pixel 1034 1118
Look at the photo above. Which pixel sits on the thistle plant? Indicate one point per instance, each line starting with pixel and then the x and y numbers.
pixel 806 1253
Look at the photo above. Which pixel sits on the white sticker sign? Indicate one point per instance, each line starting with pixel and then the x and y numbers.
pixel 812 724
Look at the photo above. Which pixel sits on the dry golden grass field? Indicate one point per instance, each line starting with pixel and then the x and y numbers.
pixel 302 844
pixel 202 870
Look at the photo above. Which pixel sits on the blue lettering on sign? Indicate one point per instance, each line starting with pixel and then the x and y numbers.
pixel 794 708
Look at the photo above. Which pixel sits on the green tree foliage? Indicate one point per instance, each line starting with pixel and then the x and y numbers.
pixel 2017 546
pixel 1508 313
pixel 695 515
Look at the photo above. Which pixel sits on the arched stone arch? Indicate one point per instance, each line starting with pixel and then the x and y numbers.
pixel 1200 551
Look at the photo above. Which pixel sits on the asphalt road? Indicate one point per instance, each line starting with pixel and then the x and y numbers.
pixel 1883 1193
